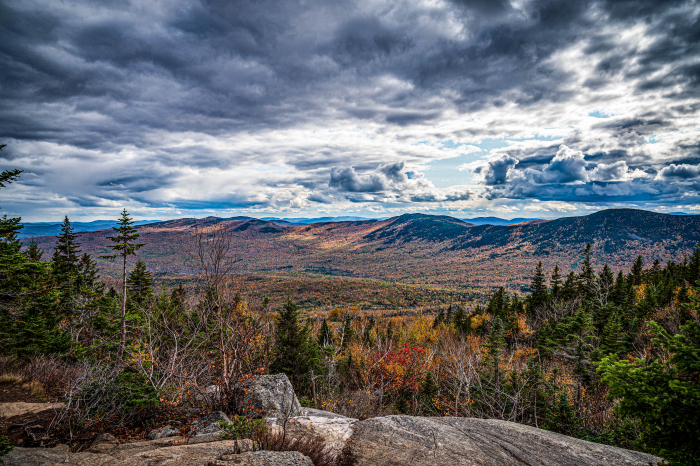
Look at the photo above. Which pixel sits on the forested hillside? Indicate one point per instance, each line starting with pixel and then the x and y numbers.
pixel 608 355
pixel 437 254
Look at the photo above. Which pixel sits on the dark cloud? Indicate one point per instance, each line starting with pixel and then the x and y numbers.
pixel 496 170
pixel 347 180
pixel 213 87
pixel 679 172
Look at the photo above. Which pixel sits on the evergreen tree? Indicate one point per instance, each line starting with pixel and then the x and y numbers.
pixel 124 246
pixel 89 276
pixel 568 290
pixel 663 393
pixel 555 282
pixel 605 283
pixel 295 352
pixel 325 336
pixel 459 319
pixel 613 338
pixel 637 271
pixel 66 269
pixel 439 318
pixel 587 275
pixel 538 291
pixel 33 252
pixel 140 282
pixel 428 392
pixel 497 304
pixel 347 333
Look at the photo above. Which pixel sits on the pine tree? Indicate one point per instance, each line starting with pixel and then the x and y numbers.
pixel 568 290
pixel 347 333
pixel 555 282
pixel 325 336
pixel 89 276
pixel 66 269
pixel 439 318
pixel 140 282
pixel 637 271
pixel 587 275
pixel 295 353
pixel 538 291
pixel 459 319
pixel 33 252
pixel 124 246
pixel 613 338
pixel 428 392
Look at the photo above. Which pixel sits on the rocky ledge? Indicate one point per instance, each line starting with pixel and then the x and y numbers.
pixel 381 441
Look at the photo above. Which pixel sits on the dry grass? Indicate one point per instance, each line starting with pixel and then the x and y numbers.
pixel 6 379
pixel 35 388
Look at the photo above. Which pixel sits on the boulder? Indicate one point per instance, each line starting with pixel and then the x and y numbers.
pixel 333 428
pixel 270 396
pixel 423 441
pixel 209 424
pixel 163 432
pixel 103 442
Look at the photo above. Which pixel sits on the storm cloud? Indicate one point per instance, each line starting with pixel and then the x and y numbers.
pixel 197 107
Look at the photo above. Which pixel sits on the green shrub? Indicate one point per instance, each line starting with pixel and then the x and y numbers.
pixel 242 427
pixel 5 446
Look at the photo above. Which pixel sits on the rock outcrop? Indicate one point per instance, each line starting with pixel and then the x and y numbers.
pixel 163 432
pixel 270 396
pixel 206 454
pixel 423 441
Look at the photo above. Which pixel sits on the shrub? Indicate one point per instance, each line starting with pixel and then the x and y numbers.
pixel 241 427
pixel 5 446
pixel 312 446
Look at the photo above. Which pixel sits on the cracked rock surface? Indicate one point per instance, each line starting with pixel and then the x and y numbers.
pixel 423 441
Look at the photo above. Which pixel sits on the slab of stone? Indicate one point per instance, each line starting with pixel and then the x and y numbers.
pixel 186 455
pixel 335 430
pixel 424 441
pixel 269 396
pixel 163 432
pixel 264 458
pixel 53 456
pixel 210 423
pixel 103 443
pixel 19 408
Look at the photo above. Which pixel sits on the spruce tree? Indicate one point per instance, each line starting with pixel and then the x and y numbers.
pixel 65 269
pixel 587 275
pixel 347 333
pixel 124 246
pixel 325 336
pixel 295 353
pixel 637 271
pixel 140 282
pixel 33 252
pixel 555 282
pixel 538 291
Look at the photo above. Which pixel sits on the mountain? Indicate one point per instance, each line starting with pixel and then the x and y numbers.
pixel 307 221
pixel 438 253
pixel 37 229
pixel 496 220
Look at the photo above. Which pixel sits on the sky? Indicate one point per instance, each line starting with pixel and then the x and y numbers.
pixel 186 108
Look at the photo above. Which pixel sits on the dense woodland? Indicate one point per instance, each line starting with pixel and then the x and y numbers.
pixel 611 357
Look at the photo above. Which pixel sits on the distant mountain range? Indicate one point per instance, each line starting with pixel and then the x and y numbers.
pixel 37 229
pixel 418 249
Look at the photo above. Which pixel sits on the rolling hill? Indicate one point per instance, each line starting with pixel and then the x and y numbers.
pixel 415 250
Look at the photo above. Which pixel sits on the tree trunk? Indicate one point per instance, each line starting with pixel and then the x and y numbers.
pixel 122 333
